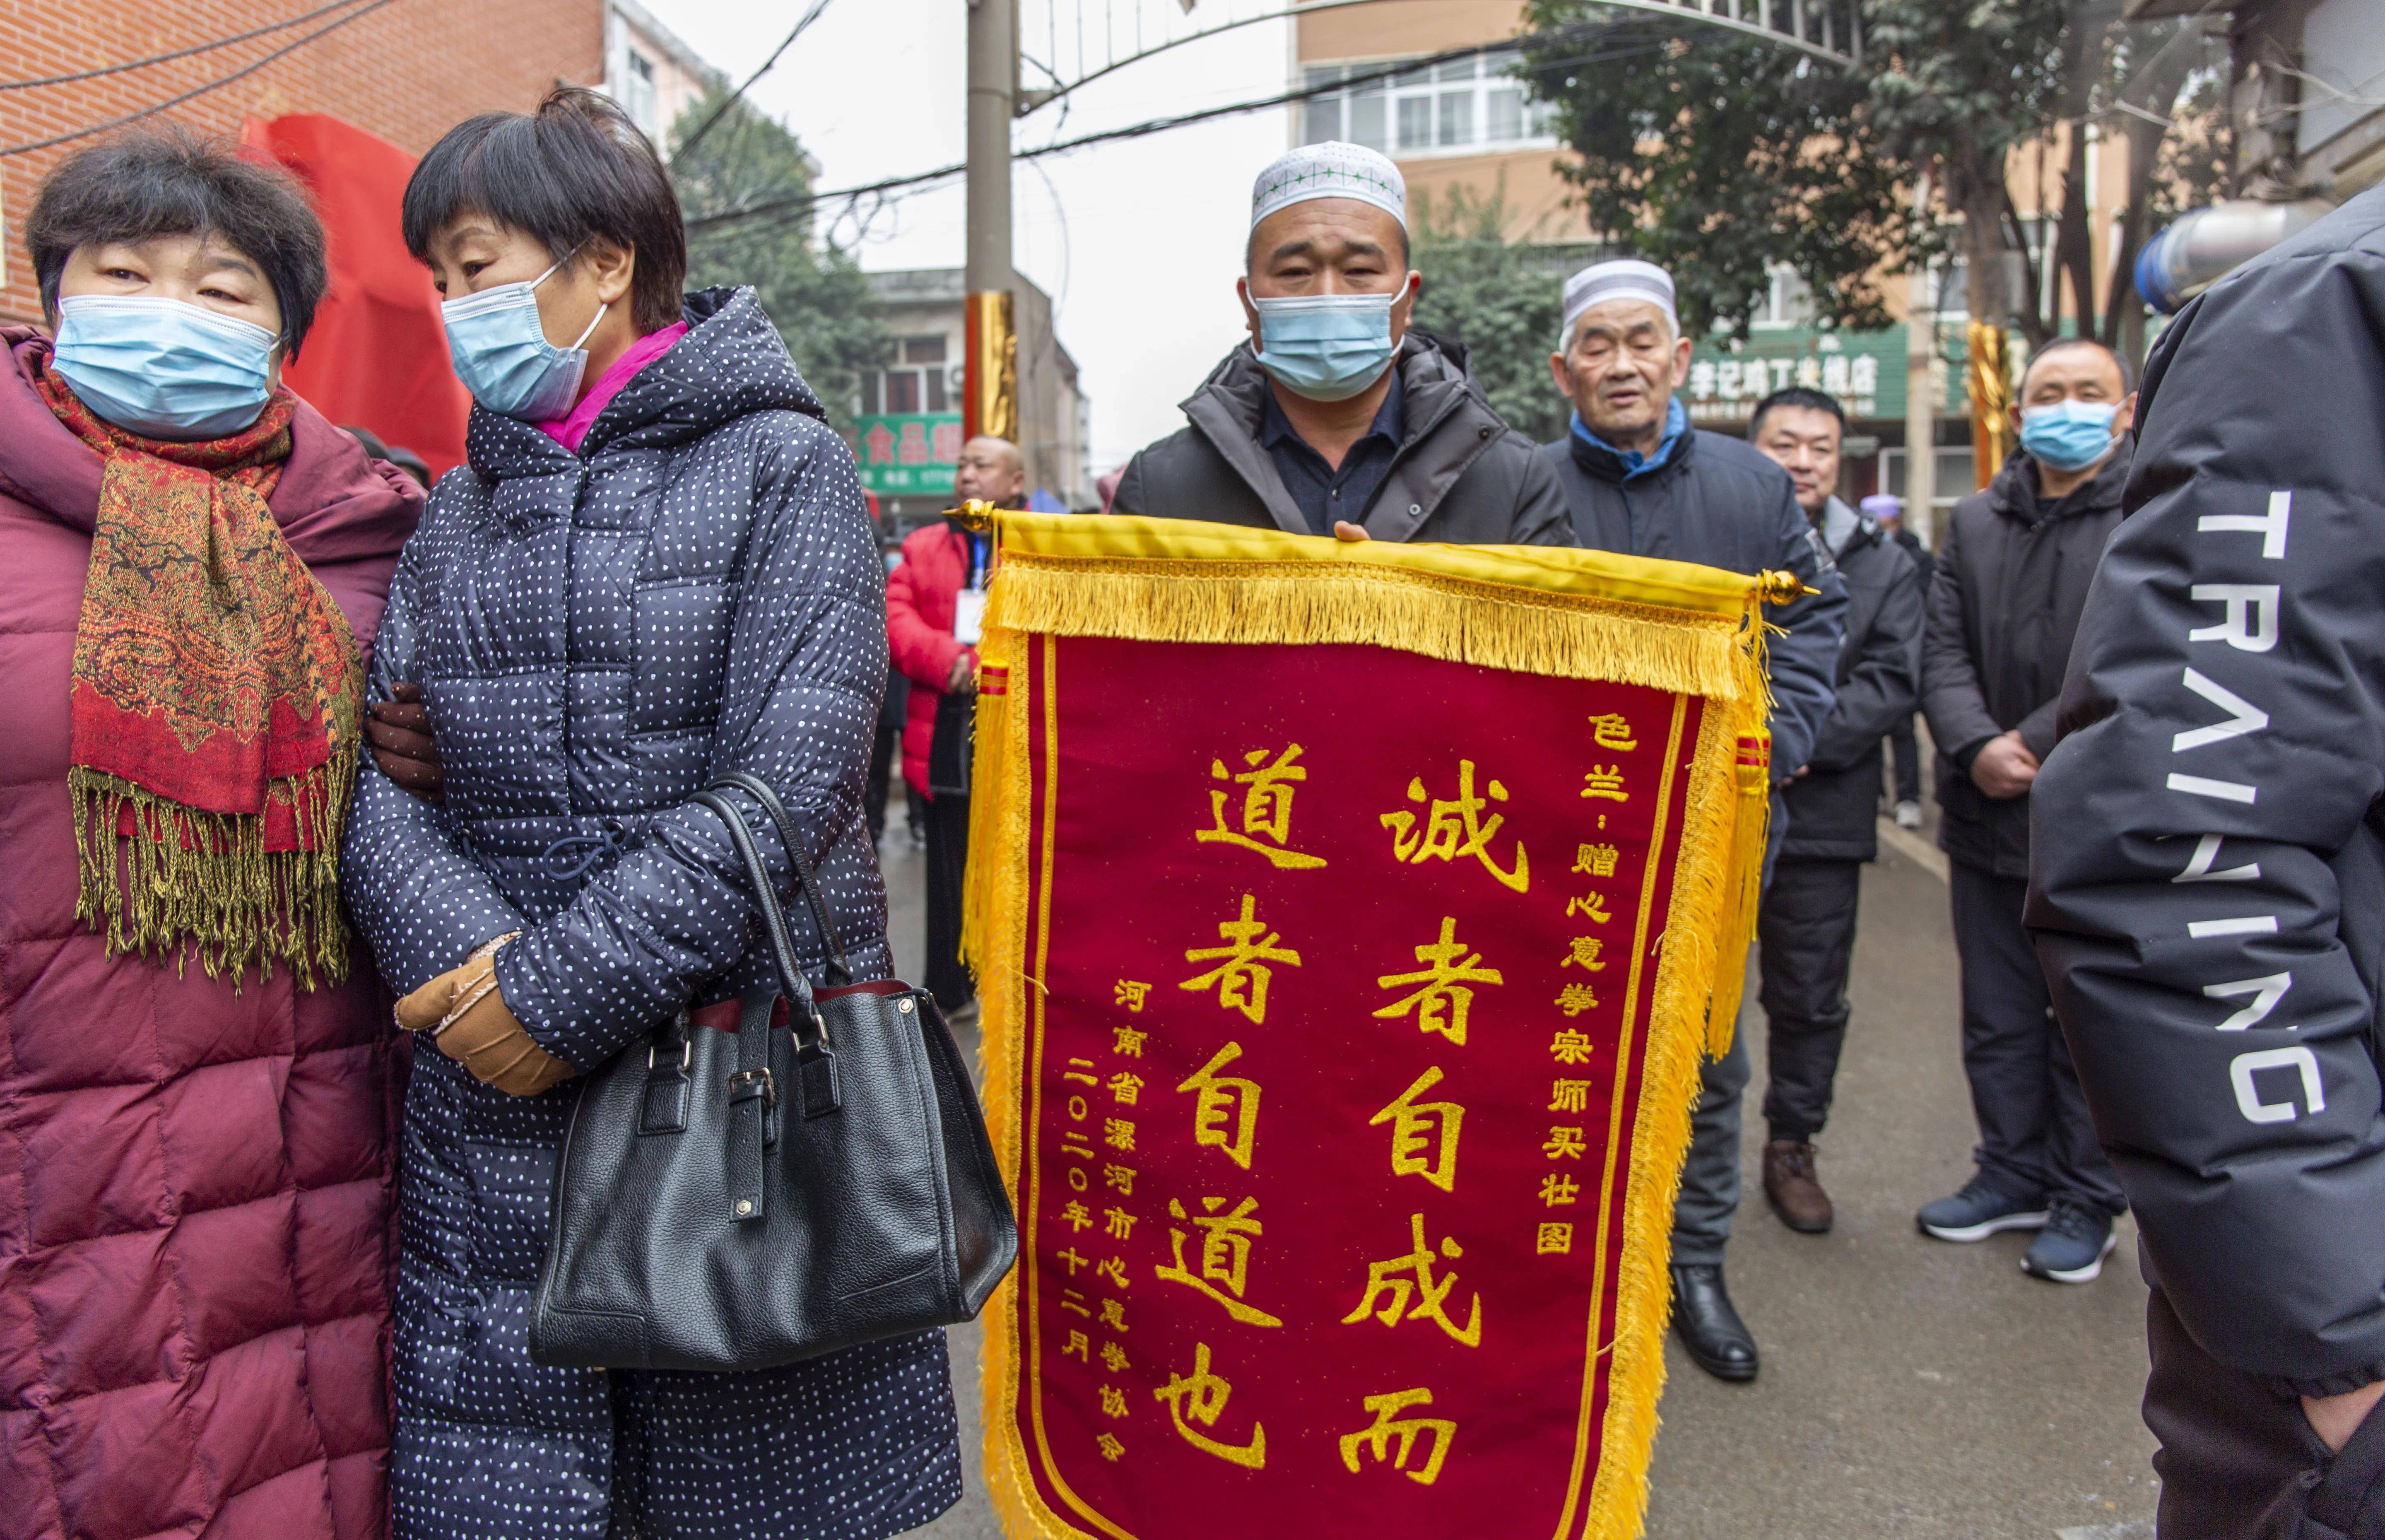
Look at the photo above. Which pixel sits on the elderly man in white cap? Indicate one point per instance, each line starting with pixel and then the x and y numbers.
pixel 1337 418
pixel 1639 479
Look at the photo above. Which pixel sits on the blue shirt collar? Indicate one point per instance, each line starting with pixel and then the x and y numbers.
pixel 1677 423
pixel 1275 428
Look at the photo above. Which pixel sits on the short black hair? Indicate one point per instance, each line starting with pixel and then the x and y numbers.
pixel 2060 344
pixel 167 180
pixel 1797 396
pixel 575 169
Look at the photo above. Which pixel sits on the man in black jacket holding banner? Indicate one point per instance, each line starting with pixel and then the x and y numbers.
pixel 2209 885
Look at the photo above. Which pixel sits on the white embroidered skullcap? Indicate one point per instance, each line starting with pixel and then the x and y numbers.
pixel 1331 169
pixel 1625 278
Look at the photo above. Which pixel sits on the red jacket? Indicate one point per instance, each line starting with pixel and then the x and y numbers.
pixel 194 1180
pixel 920 631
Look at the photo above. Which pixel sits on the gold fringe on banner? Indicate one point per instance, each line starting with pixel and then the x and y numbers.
pixel 1578 614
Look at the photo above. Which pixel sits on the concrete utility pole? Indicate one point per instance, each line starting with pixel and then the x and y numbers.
pixel 1920 401
pixel 989 396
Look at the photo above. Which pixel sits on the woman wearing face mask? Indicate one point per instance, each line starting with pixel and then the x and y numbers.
pixel 193 1294
pixel 656 567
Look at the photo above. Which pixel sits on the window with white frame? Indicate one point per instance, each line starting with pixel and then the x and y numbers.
pixel 1459 106
pixel 913 383
pixel 638 90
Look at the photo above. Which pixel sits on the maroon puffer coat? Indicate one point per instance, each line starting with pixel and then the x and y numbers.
pixel 194 1180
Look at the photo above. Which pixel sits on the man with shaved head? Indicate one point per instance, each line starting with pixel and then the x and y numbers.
pixel 1337 418
pixel 935 599
pixel 1640 479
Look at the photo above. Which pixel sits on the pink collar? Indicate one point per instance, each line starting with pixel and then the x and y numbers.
pixel 571 429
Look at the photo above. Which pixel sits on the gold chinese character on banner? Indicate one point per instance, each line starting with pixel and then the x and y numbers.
pixel 1593 904
pixel 1596 860
pixel 1118 1135
pixel 1114 1314
pixel 1110 1447
pixel 1604 781
pixel 1575 998
pixel 1613 731
pixel 1556 1240
pixel 1127 1041
pixel 1114 1358
pixel 1442 1000
pixel 1079 1345
pixel 1077 1216
pixel 1424 1134
pixel 1267 808
pixel 1569 1095
pixel 1584 955
pixel 1113 1401
pixel 1569 1047
pixel 1455 828
pixel 1389 1425
pixel 1556 1191
pixel 1201 1396
pixel 1565 1143
pixel 1225 1107
pixel 1413 1296
pixel 1131 993
pixel 1120 1225
pixel 1121 1178
pixel 1124 1088
pixel 1241 980
pixel 1225 1255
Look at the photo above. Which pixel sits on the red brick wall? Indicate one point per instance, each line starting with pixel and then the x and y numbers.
pixel 406 73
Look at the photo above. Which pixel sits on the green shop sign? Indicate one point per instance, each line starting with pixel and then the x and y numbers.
pixel 900 455
pixel 1865 369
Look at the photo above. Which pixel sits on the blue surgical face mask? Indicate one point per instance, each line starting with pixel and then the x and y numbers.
pixel 2068 435
pixel 1327 347
pixel 164 368
pixel 502 354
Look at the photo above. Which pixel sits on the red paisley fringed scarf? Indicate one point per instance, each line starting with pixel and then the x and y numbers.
pixel 215 707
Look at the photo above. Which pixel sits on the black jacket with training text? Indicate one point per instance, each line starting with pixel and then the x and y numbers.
pixel 2209 891
pixel 2003 610
pixel 1719 502
pixel 1461 476
pixel 1834 809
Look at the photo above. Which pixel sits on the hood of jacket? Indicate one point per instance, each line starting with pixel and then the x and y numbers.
pixel 733 362
pixel 2014 492
pixel 334 502
pixel 1435 391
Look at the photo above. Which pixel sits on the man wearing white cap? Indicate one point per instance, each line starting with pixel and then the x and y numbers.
pixel 1337 418
pixel 1639 479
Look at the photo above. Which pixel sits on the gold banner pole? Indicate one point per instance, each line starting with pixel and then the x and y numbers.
pixel 1989 382
pixel 990 400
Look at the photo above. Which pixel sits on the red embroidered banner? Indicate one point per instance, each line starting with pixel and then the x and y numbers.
pixel 1324 1078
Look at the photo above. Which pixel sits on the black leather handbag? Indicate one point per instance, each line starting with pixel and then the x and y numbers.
pixel 820 1179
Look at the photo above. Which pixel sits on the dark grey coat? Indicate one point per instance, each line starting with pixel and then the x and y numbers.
pixel 1719 502
pixel 597 635
pixel 2261 1201
pixel 2003 610
pixel 1834 809
pixel 1461 475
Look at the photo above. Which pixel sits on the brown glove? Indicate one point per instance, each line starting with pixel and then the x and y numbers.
pixel 403 745
pixel 478 1032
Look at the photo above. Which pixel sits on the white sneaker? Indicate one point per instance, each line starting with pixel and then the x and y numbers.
pixel 1908 815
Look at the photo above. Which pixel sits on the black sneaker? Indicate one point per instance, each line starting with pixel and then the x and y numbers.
pixel 2071 1248
pixel 1977 1212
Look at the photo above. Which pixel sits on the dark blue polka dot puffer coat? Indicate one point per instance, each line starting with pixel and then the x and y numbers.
pixel 597 635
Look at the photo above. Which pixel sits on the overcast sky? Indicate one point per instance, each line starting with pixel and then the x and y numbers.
pixel 1139 241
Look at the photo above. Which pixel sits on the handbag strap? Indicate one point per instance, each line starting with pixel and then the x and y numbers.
pixel 792 982
pixel 840 971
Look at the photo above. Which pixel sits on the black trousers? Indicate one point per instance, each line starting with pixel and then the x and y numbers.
pixel 2238 1459
pixel 2034 1132
pixel 948 822
pixel 1905 751
pixel 1806 942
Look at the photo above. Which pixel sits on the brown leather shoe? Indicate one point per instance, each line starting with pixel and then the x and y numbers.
pixel 1796 1193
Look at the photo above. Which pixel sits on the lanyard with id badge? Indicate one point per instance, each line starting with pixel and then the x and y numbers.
pixel 951 749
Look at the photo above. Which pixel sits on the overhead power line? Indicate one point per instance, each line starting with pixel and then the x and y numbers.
pixel 797 206
pixel 179 52
pixel 216 85
pixel 722 111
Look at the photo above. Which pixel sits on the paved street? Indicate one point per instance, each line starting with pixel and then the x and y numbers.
pixel 1911 1389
